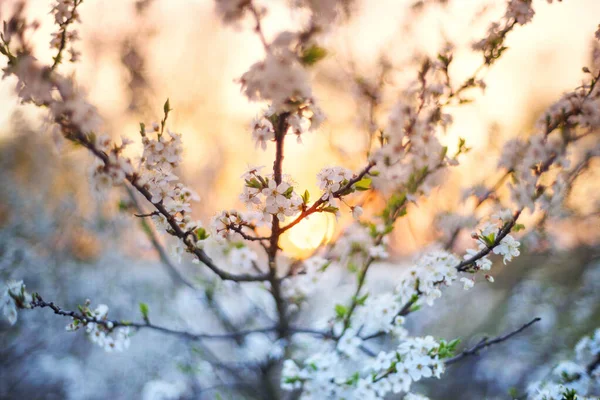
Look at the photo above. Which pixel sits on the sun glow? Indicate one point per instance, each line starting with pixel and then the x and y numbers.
pixel 305 237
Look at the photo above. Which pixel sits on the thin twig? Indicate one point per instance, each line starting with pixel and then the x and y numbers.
pixel 337 194
pixel 484 343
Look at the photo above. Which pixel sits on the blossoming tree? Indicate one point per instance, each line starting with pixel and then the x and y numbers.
pixel 362 350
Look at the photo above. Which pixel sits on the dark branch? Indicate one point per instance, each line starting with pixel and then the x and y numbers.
pixel 484 343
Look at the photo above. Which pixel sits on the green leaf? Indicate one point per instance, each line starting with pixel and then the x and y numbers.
pixel 167 107
pixel 353 380
pixel 363 184
pixel 340 311
pixel 201 234
pixel 312 55
pixel 570 394
pixel 123 205
pixel 489 239
pixel 330 209
pixel 288 193
pixel 518 227
pixel 513 393
pixel 352 267
pixel 254 183
pixel 306 197
pixel 453 343
pixel 361 300
pixel 144 310
pixel 325 266
pixel 414 308
pixel 444 152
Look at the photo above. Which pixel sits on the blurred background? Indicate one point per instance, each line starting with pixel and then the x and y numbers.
pixel 69 245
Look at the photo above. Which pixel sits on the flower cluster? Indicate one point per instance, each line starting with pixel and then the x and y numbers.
pixel 379 313
pixel 298 288
pixel 410 149
pixel 226 224
pixel 13 297
pixel 508 247
pixel 424 279
pixel 331 180
pixel 261 193
pixel 161 156
pixel 100 330
pixel 359 242
pixel 573 379
pixel 520 10
pixel 492 45
pixel 303 118
pixel 114 171
pixel 324 374
pixel 65 13
pixel 32 85
pixel 279 79
pixel 231 11
pixel 529 160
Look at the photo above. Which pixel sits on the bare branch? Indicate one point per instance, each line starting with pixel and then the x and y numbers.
pixel 484 343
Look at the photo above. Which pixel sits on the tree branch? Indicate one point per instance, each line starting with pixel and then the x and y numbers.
pixel 484 343
pixel 337 194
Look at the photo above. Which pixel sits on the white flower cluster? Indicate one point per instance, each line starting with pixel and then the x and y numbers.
pixel 162 154
pixel 574 377
pixel 32 84
pixel 411 148
pixel 525 159
pixel 65 12
pixel 324 375
pixel 520 10
pixel 242 258
pixel 231 11
pixel 332 179
pixel 280 79
pixel 262 130
pixel 304 118
pixel 379 313
pixel 492 45
pixel 225 223
pixel 415 396
pixel 13 297
pixel 103 334
pixel 358 242
pixel 261 193
pixel 530 159
pixel 507 248
pixel 323 12
pixel 107 175
pixel 79 119
pixel 424 279
pixel 296 289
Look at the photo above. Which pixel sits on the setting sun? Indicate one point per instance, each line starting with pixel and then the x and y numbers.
pixel 309 234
